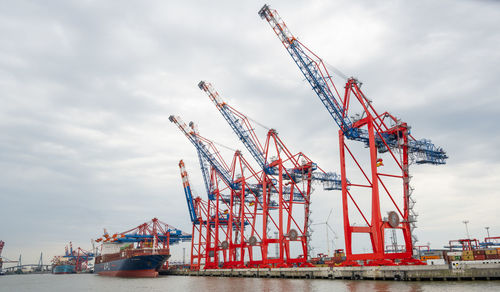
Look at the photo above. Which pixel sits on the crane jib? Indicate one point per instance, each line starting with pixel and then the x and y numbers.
pixel 205 174
pixel 214 163
pixel 244 137
pixel 424 150
pixel 319 85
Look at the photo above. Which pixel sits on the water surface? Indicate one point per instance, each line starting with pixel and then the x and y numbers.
pixel 90 282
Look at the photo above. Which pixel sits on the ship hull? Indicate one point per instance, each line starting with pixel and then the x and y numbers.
pixel 144 266
pixel 64 269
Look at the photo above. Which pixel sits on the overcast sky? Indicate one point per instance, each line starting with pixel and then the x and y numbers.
pixel 86 88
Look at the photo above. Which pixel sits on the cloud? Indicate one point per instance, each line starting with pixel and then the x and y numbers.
pixel 87 88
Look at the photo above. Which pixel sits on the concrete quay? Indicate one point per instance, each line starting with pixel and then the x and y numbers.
pixel 398 273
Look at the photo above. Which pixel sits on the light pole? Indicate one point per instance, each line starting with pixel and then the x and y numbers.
pixel 466 228
pixel 488 232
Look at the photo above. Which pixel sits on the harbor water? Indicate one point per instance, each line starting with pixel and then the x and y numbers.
pixel 90 282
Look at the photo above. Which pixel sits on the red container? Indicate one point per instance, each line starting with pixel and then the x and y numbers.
pixel 478 252
pixel 491 256
pixel 479 257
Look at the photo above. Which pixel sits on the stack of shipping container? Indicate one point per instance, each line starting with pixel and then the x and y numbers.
pixel 433 256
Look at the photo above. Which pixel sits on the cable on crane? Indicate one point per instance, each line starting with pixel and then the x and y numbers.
pixel 255 121
pixel 336 70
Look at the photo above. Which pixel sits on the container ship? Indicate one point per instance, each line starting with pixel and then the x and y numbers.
pixel 73 261
pixel 139 252
pixel 127 260
pixel 63 265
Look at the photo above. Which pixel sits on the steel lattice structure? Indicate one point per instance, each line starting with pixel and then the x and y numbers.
pixel 290 187
pixel 275 199
pixel 233 192
pixel 205 218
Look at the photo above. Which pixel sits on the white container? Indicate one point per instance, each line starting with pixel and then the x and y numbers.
pixel 433 262
pixel 109 248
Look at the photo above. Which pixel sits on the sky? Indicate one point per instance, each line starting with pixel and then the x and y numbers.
pixel 86 89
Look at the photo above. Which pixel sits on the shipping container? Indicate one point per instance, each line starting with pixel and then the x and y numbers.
pixel 430 257
pixel 478 252
pixel 479 257
pixel 432 253
pixel 491 256
pixel 454 253
pixel 454 258
pixel 490 251
pixel 467 253
pixel 468 257
pixel 436 262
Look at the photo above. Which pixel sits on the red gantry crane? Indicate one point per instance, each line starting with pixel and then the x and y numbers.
pixel 390 149
pixel 244 202
pixel 236 250
pixel 205 217
pixel 287 178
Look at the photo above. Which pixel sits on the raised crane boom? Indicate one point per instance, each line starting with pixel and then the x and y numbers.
pixel 204 166
pixel 187 192
pixel 209 152
pixel 241 125
pixel 316 73
pixel 310 67
pixel 199 143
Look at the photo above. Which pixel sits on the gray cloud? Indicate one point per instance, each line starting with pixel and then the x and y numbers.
pixel 86 89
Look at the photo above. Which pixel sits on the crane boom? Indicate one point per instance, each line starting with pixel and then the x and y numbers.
pixel 199 143
pixel 213 157
pixel 242 127
pixel 316 73
pixel 239 123
pixel 204 166
pixel 187 192
pixel 311 67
